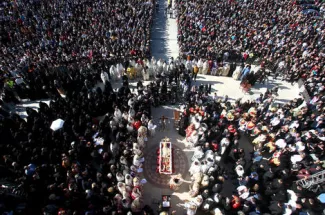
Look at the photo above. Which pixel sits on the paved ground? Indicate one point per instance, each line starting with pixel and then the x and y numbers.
pixel 164 34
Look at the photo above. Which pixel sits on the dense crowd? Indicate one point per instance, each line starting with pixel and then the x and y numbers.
pixel 288 145
pixel 90 165
pixel 289 35
pixel 93 163
pixel 64 32
pixel 96 157
pixel 61 50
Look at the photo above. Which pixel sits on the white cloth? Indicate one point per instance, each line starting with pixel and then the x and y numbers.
pixel 275 121
pixel 19 81
pixel 121 187
pixel 125 116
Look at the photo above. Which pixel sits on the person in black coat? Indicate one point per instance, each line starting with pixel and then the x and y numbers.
pixel 276 208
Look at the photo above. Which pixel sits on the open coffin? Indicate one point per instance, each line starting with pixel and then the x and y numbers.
pixel 165 158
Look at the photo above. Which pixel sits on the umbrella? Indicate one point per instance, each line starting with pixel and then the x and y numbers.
pixel 281 143
pixel 321 198
pixel 57 124
pixel 296 158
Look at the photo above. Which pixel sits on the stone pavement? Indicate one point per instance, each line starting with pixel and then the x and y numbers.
pixel 164 34
pixel 157 184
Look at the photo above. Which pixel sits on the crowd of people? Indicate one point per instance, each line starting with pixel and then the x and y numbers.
pixel 65 32
pixel 288 145
pixel 59 50
pixel 92 164
pixel 288 35
pixel 96 157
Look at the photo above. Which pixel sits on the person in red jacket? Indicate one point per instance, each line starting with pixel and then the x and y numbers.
pixel 235 202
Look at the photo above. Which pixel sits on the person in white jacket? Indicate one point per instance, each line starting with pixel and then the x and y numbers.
pixel 112 72
pixel 160 64
pixel 188 65
pixel 104 76
pixel 152 128
pixel 117 114
pixel 224 145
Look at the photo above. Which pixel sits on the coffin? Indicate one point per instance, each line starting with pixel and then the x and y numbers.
pixel 165 161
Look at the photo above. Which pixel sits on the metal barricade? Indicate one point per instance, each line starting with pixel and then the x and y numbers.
pixel 313 181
